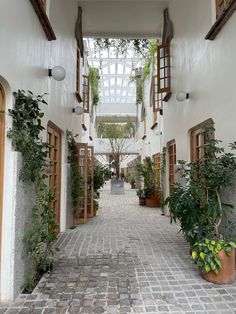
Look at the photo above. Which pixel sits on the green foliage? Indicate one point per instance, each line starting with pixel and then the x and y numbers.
pixel 94 81
pixel 100 174
pixel 25 135
pixel 141 193
pixel 149 59
pixel 197 204
pixel 76 180
pixel 140 46
pixel 205 254
pixel 150 181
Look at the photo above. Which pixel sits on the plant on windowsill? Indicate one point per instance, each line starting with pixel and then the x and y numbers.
pixel 39 238
pixel 202 214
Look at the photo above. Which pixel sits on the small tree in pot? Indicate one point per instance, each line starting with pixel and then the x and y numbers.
pixel 199 208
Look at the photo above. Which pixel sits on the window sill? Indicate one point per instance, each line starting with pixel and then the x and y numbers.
pixel 154 125
pixel 84 127
pixel 78 97
pixel 43 19
pixel 221 21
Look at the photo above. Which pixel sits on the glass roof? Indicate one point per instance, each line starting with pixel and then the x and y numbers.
pixel 115 71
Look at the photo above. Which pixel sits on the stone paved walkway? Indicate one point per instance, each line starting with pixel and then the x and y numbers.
pixel 128 259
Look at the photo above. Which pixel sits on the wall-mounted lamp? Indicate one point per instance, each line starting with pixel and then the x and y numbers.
pixel 182 96
pixel 57 72
pixel 78 110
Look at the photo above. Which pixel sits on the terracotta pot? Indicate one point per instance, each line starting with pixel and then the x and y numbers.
pixel 227 272
pixel 133 185
pixel 142 201
pixel 94 212
pixel 154 200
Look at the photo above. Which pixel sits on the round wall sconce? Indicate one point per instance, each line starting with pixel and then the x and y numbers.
pixel 182 96
pixel 78 110
pixel 57 72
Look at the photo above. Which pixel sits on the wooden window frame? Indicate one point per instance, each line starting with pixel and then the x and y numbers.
pixel 86 93
pixel 222 18
pixel 51 129
pixel 157 168
pixel 172 163
pixel 40 9
pixel 163 54
pixel 198 139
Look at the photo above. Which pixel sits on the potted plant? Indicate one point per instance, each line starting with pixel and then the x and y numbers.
pixel 151 183
pixel 201 212
pixel 142 198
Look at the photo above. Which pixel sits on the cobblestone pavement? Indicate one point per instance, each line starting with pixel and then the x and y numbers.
pixel 128 259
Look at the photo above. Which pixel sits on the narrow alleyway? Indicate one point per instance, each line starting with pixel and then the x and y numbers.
pixel 128 259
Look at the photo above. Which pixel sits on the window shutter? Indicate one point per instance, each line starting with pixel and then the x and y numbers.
pixel 86 93
pixel 78 71
pixel 157 97
pixel 163 68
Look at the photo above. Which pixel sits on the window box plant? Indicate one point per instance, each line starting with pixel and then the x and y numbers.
pixel 202 214
pixel 142 197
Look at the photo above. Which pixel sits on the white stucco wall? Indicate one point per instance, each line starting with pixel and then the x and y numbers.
pixel 25 57
pixel 205 69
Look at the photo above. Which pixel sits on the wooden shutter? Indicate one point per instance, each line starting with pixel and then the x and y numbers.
pixel 80 214
pixel 221 5
pixel 54 140
pixel 157 169
pixel 157 97
pixel 78 71
pixel 44 4
pixel 163 68
pixel 90 181
pixel 86 93
pixel 172 163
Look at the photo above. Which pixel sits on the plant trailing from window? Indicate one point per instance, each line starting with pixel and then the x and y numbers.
pixel 25 135
pixel 140 46
pixel 94 81
pixel 149 59
pixel 76 180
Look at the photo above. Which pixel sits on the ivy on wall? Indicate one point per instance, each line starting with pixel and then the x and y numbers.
pixel 94 82
pixel 25 135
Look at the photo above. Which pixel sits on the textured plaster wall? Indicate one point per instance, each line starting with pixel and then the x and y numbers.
pixel 25 57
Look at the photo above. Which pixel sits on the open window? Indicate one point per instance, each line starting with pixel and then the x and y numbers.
pixel 40 9
pixel 163 68
pixel 86 93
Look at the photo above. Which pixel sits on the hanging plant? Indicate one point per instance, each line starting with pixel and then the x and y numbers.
pixel 94 81
pixel 149 60
pixel 140 46
pixel 25 135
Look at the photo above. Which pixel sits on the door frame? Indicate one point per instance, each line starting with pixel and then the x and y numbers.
pixel 55 128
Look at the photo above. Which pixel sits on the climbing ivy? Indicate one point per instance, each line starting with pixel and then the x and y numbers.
pixel 25 135
pixel 149 59
pixel 94 81
pixel 76 180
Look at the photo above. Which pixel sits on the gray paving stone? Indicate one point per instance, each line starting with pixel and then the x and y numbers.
pixel 127 259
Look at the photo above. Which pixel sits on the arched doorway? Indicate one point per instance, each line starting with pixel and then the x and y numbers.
pixel 2 136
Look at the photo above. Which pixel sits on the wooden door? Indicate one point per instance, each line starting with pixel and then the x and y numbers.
pixel 90 181
pixel 54 139
pixel 172 163
pixel 80 214
pixel 2 136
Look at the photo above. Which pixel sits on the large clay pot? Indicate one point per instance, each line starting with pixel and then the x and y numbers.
pixel 142 201
pixel 154 200
pixel 227 272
